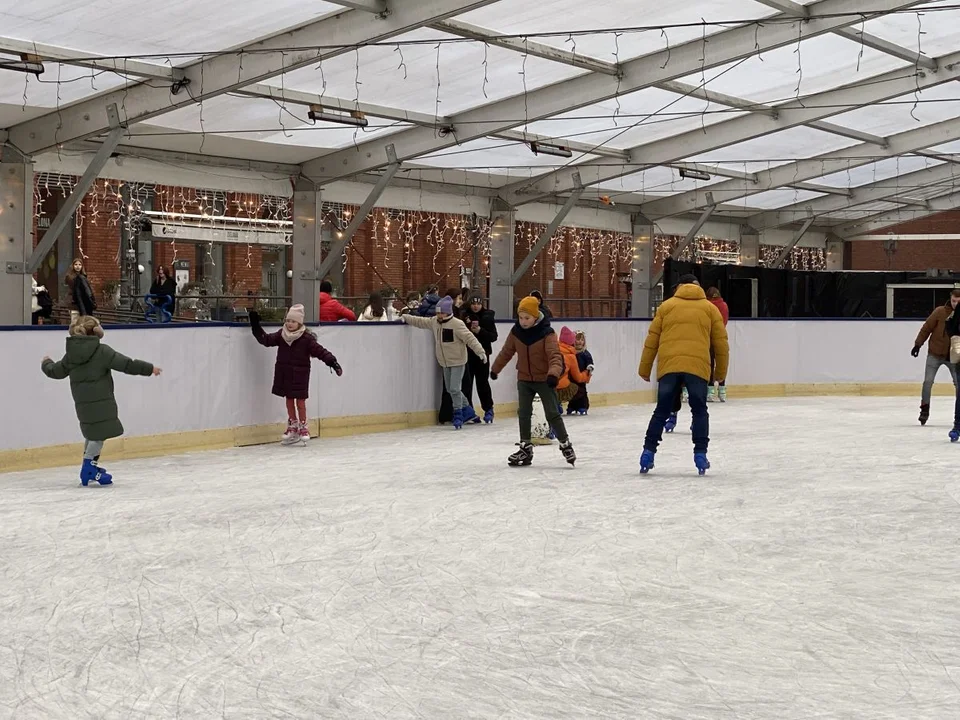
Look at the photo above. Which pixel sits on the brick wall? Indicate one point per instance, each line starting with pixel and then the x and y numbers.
pixel 911 255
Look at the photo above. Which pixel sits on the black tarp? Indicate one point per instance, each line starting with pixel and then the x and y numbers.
pixel 799 293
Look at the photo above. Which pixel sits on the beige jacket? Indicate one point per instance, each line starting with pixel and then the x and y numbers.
pixel 452 339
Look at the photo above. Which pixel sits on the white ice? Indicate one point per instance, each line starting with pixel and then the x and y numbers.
pixel 813 573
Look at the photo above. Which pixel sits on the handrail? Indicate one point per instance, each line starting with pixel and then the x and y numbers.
pixel 163 312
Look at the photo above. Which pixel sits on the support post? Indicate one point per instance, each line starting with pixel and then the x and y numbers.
pixel 550 230
pixel 834 254
pixel 749 246
pixel 336 250
pixel 685 243
pixel 641 296
pixel 16 236
pixel 307 249
pixel 785 253
pixel 69 209
pixel 503 227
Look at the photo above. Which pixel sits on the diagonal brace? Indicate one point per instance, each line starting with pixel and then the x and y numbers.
pixel 793 243
pixel 678 250
pixel 336 251
pixel 548 232
pixel 72 203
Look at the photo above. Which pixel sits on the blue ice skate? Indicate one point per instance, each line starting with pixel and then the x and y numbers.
pixel 646 462
pixel 457 419
pixel 582 411
pixel 671 423
pixel 488 416
pixel 470 415
pixel 700 460
pixel 955 434
pixel 91 471
pixel 570 410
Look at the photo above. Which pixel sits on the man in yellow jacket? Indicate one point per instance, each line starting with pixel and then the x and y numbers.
pixel 684 331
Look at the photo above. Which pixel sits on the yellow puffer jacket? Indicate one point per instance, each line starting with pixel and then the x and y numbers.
pixel 685 328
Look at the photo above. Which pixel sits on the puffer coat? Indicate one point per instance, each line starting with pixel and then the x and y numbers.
pixel 291 375
pixel 684 330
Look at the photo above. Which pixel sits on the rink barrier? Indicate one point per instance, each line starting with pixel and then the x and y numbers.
pixel 215 374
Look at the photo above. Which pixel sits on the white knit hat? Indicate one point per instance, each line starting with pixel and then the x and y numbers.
pixel 295 313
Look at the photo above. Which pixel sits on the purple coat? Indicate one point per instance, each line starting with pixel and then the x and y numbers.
pixel 291 376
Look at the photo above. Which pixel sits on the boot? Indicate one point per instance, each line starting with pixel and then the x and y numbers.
pixel 488 416
pixel 646 461
pixel 90 471
pixel 523 456
pixel 700 460
pixel 468 414
pixel 723 393
pixel 671 423
pixel 924 413
pixel 303 434
pixel 104 478
pixel 292 433
pixel 711 394
pixel 568 454
pixel 457 419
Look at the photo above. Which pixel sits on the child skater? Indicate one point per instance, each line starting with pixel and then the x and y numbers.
pixel 291 377
pixel 452 340
pixel 580 403
pixel 539 368
pixel 88 363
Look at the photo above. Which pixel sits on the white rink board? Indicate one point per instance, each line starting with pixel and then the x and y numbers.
pixel 219 377
pixel 414 575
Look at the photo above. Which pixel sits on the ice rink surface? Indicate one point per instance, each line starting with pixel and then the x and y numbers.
pixel 813 573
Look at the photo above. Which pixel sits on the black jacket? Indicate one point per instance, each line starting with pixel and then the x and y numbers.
pixel 952 326
pixel 83 295
pixel 486 320
pixel 168 287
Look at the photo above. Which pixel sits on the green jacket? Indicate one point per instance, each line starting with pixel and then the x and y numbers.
pixel 88 364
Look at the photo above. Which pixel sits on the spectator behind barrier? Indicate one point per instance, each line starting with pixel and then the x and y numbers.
pixel 331 310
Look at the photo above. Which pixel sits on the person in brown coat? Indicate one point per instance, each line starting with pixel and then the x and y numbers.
pixel 938 351
pixel 539 368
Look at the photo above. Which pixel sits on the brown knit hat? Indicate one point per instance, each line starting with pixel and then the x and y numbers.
pixel 529 305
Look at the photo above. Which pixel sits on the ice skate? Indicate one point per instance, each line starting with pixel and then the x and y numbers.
pixel 671 424
pixel 457 419
pixel 488 416
pixel 570 410
pixel 568 454
pixel 711 394
pixel 700 460
pixel 646 462
pixel 469 415
pixel 722 393
pixel 90 471
pixel 924 414
pixel 292 433
pixel 523 456
pixel 684 395
pixel 582 411
pixel 303 435
pixel 955 434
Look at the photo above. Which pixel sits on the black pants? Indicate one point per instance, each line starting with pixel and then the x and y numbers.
pixel 479 372
pixel 580 401
pixel 446 403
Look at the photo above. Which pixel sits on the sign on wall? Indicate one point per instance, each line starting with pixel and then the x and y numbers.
pixel 558 270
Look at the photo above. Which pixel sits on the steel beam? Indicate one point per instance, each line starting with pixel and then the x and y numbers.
pixel 788 248
pixel 214 76
pixel 685 243
pixel 65 56
pixel 378 7
pixel 881 221
pixel 547 234
pixel 528 47
pixel 747 127
pixel 825 189
pixel 801 170
pixel 72 203
pixel 886 189
pixel 360 217
pixel 681 60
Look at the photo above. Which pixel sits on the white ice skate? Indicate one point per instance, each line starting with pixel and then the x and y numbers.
pixel 292 434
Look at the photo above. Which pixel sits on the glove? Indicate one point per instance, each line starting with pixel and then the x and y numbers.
pixel 916 351
pixel 590 369
pixel 337 369
pixel 552 381
pixel 493 375
pixel 254 317
pixel 483 358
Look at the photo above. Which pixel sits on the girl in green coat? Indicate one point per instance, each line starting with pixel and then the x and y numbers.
pixel 88 363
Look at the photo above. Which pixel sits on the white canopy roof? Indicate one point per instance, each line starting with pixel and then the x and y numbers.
pixel 837 111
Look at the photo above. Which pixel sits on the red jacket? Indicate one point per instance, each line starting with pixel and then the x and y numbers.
pixel 333 311
pixel 722 307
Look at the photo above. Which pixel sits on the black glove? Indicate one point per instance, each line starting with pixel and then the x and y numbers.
pixel 552 381
pixel 337 369
pixel 254 318
pixel 916 351
pixel 493 375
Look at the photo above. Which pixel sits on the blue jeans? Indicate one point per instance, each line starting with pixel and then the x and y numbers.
pixel 667 389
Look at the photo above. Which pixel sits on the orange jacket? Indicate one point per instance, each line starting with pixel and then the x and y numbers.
pixel 571 368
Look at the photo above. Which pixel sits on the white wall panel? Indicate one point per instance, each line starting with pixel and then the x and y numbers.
pixel 219 377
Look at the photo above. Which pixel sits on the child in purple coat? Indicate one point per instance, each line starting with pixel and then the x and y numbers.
pixel 291 376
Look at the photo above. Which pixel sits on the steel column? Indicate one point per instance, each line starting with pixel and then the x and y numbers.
pixel 307 250
pixel 502 235
pixel 641 296
pixel 16 236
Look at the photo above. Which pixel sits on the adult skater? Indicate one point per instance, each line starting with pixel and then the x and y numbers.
pixel 938 351
pixel 482 323
pixel 685 330
pixel 89 364
pixel 952 327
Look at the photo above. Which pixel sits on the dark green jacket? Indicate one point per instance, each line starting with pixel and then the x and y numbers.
pixel 88 364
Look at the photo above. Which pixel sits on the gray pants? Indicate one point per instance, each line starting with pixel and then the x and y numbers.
pixel 933 366
pixel 92 449
pixel 452 380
